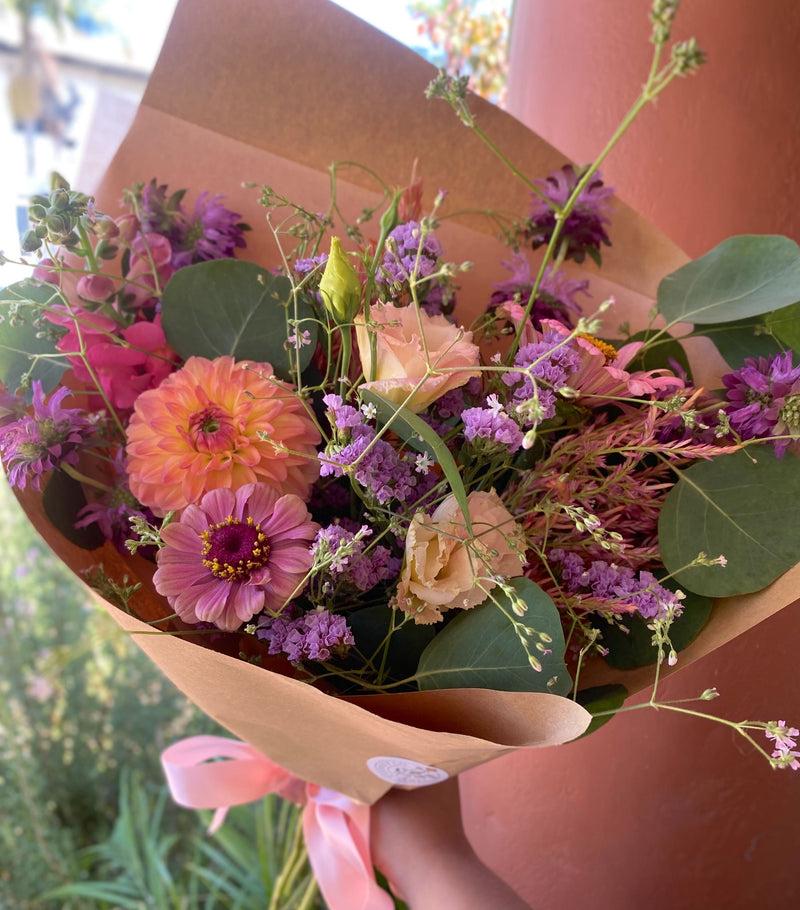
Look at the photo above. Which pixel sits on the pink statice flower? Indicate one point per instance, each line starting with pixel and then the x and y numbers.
pixel 315 635
pixel 235 554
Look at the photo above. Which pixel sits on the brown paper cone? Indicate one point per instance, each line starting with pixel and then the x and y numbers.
pixel 252 91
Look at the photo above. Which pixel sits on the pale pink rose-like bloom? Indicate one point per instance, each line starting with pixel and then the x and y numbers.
pixel 603 373
pixel 96 288
pixel 441 572
pixel 235 554
pixel 400 354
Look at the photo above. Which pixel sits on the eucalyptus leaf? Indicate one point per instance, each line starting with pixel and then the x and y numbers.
pixel 785 325
pixel 480 648
pixel 63 498
pixel 741 339
pixel 598 700
pixel 659 355
pixel 744 276
pixel 628 651
pixel 370 627
pixel 19 344
pixel 421 437
pixel 234 308
pixel 744 506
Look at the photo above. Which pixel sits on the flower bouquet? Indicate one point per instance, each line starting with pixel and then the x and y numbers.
pixel 396 480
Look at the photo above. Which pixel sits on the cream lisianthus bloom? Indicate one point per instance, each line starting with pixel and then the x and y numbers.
pixel 399 362
pixel 445 570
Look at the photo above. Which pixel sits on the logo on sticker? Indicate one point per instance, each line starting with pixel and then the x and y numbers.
pixel 404 772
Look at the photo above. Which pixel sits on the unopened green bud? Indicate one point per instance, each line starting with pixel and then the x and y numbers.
pixel 59 200
pixel 339 286
pixel 30 242
pixel 37 213
pixel 58 182
pixel 389 218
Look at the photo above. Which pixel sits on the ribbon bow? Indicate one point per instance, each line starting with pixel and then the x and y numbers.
pixel 336 828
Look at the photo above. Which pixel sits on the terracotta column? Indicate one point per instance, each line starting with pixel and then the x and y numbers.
pixel 660 811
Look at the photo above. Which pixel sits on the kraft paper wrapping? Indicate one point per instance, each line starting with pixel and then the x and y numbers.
pixel 273 92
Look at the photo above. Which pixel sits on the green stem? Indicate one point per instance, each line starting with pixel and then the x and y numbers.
pixel 87 249
pixel 75 474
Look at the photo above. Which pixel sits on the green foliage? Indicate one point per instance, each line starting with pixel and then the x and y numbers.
pixel 659 355
pixel 744 276
pixel 78 702
pixel 371 628
pixel 63 498
pixel 601 699
pixel 422 438
pixel 747 507
pixel 785 325
pixel 741 339
pixel 636 649
pixel 19 343
pixel 148 862
pixel 230 307
pixel 482 648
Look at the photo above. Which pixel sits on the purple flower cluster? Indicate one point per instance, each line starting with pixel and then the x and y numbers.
pixel 492 424
pixel 584 229
pixel 609 582
pixel 764 399
pixel 37 443
pixel 304 266
pixel 784 739
pixel 208 231
pixel 550 361
pixel 382 470
pixel 555 299
pixel 350 563
pixel 403 253
pixel 311 636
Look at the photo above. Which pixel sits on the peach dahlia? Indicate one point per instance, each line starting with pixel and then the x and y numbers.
pixel 211 425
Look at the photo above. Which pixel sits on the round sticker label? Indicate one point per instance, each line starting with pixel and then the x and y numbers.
pixel 404 772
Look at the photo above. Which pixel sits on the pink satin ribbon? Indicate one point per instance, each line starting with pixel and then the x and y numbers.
pixel 336 828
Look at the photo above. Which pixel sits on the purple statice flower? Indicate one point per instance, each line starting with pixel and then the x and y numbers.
pixel 304 266
pixel 350 563
pixel 311 636
pixel 584 229
pixel 403 253
pixel 764 399
pixel 550 361
pixel 382 470
pixel 39 442
pixel 211 231
pixel 342 416
pixel 555 299
pixel 494 425
pixel 618 585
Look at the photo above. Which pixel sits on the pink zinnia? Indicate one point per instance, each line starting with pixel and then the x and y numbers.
pixel 235 555
pixel 603 369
